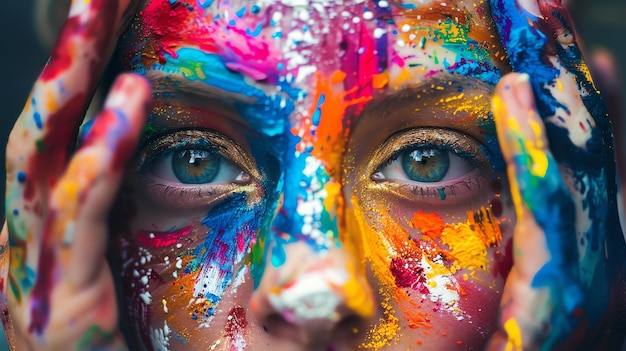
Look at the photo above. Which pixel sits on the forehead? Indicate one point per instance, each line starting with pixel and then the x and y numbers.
pixel 291 55
pixel 267 40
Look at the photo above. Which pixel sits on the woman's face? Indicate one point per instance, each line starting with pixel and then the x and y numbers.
pixel 314 175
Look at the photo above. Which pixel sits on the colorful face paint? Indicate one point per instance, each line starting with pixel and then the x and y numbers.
pixel 347 145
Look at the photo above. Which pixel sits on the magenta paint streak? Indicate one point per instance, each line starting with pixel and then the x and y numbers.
pixel 162 239
pixel 408 274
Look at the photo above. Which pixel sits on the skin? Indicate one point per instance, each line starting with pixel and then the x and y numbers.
pixel 300 228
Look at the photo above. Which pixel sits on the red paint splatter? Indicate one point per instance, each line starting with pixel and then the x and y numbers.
pixel 236 322
pixel 102 20
pixel 165 23
pixel 162 239
pixel 407 274
pixel 504 260
pixel 61 57
pixel 49 162
pixel 113 127
pixel 100 27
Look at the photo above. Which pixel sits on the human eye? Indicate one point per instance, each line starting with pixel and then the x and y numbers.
pixel 190 168
pixel 434 163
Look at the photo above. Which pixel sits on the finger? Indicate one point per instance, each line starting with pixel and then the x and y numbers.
pixel 579 141
pixel 4 270
pixel 540 41
pixel 75 232
pixel 542 291
pixel 45 131
pixel 85 193
pixel 583 109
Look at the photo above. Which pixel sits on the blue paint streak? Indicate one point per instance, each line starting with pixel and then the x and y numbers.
pixel 256 30
pixel 267 113
pixel 205 3
pixel 38 121
pixel 315 119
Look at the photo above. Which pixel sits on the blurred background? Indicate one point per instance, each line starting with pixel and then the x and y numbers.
pixel 26 34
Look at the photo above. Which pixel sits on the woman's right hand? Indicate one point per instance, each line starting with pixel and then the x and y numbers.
pixel 57 282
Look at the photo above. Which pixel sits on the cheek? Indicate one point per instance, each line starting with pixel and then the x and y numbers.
pixel 434 269
pixel 179 275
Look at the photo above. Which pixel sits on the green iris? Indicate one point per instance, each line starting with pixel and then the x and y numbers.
pixel 425 164
pixel 195 166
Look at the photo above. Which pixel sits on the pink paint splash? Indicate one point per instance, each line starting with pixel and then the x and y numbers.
pixel 161 239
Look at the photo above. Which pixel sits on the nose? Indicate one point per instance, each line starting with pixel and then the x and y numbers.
pixel 314 299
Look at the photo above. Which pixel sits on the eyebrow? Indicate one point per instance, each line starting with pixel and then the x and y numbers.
pixel 449 101
pixel 480 125
pixel 264 112
pixel 439 85
pixel 163 82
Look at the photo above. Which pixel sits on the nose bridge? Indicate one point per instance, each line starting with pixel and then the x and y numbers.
pixel 314 286
pixel 311 203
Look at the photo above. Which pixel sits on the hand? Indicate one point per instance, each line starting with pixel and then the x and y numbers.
pixel 556 139
pixel 59 289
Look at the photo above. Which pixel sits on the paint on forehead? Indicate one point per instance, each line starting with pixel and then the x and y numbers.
pixel 296 41
pixel 171 25
pixel 266 112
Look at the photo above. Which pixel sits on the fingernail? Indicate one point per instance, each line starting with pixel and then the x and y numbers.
pixel 523 92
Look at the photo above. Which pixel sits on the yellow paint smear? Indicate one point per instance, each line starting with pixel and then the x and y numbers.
pixel 514 335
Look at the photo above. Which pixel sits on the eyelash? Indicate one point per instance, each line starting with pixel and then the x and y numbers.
pixel 471 184
pixel 190 195
pixel 456 143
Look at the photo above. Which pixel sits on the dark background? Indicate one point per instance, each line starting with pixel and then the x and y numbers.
pixel 601 23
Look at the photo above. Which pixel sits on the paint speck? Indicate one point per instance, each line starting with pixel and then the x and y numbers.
pixel 21 177
pixel 205 3
pixel 241 12
pixel 38 121
pixel 179 262
pixel 146 297
pixel 442 193
pixel 379 32
pixel 422 42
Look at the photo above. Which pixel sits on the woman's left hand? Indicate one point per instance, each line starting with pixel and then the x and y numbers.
pixel 555 135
